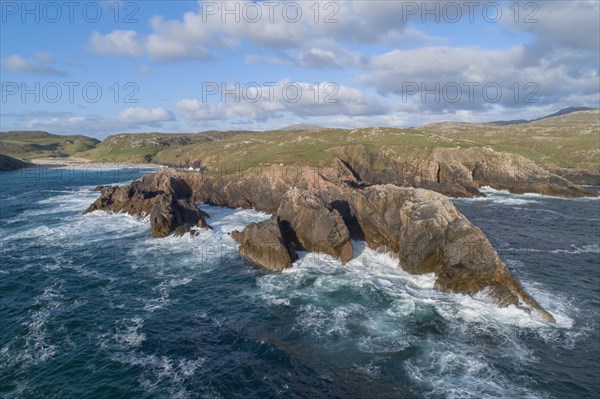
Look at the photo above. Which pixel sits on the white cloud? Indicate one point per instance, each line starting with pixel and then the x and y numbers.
pixel 16 63
pixel 142 116
pixel 411 74
pixel 573 24
pixel 319 58
pixel 264 103
pixel 118 42
pixel 128 120
pixel 199 32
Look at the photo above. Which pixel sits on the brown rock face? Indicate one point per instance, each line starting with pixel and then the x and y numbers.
pixel 174 216
pixel 316 227
pixel 164 196
pixel 263 188
pixel 429 235
pixel 459 172
pixel 486 167
pixel 264 244
pixel 318 212
pixel 579 176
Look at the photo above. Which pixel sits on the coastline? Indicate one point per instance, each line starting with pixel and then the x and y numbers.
pixel 84 163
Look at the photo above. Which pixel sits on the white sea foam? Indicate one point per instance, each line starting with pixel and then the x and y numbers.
pixel 453 367
pixel 128 334
pixel 591 248
pixel 157 370
pixel 225 220
pixel 505 195
pixel 35 347
pixel 461 372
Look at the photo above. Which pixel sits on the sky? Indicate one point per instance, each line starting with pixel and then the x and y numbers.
pixel 105 67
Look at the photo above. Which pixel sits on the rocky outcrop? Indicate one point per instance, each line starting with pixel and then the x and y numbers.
pixel 163 196
pixel 430 235
pixel 319 211
pixel 460 172
pixel 265 244
pixel 174 216
pixel 315 226
pixel 8 164
pixel 578 176
pixel 503 171
pixel 263 188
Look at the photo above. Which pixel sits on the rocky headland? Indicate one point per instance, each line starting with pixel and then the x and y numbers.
pixel 8 164
pixel 323 210
pixel 460 172
pixel 164 197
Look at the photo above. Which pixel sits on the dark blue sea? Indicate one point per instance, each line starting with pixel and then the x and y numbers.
pixel 93 307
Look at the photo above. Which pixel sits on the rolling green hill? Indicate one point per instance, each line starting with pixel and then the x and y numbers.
pixel 565 141
pixel 30 145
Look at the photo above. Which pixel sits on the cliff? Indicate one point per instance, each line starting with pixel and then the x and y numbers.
pixel 321 210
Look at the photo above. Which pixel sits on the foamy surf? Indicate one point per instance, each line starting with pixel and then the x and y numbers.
pixel 166 315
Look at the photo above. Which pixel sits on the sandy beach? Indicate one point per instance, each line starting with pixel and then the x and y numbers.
pixel 83 163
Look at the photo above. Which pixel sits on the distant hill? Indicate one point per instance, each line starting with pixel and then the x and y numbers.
pixel 33 144
pixel 300 126
pixel 568 139
pixel 9 163
pixel 563 111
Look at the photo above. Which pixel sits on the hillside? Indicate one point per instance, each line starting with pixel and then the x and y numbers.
pixel 9 163
pixel 30 145
pixel 566 141
pixel 559 143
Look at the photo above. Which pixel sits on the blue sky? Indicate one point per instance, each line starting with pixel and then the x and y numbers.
pixel 163 65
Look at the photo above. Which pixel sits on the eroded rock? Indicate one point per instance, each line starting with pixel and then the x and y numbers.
pixel 318 212
pixel 265 244
pixel 164 196
pixel 430 235
pixel 317 227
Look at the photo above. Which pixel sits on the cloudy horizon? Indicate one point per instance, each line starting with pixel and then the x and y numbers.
pixel 100 68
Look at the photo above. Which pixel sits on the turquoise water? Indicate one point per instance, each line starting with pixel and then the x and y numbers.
pixel 93 307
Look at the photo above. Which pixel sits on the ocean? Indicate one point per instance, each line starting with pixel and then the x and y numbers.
pixel 93 307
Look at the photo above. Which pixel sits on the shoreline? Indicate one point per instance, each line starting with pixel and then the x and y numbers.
pixel 83 163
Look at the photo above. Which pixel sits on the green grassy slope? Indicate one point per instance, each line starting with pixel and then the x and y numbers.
pixel 30 145
pixel 570 141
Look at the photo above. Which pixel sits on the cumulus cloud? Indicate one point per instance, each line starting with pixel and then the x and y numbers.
pixel 129 119
pixel 16 63
pixel 281 27
pixel 438 78
pixel 118 42
pixel 393 63
pixel 263 103
pixel 143 116
pixel 561 24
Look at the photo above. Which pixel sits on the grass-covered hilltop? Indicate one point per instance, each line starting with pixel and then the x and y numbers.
pixel 567 145
pixel 27 145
